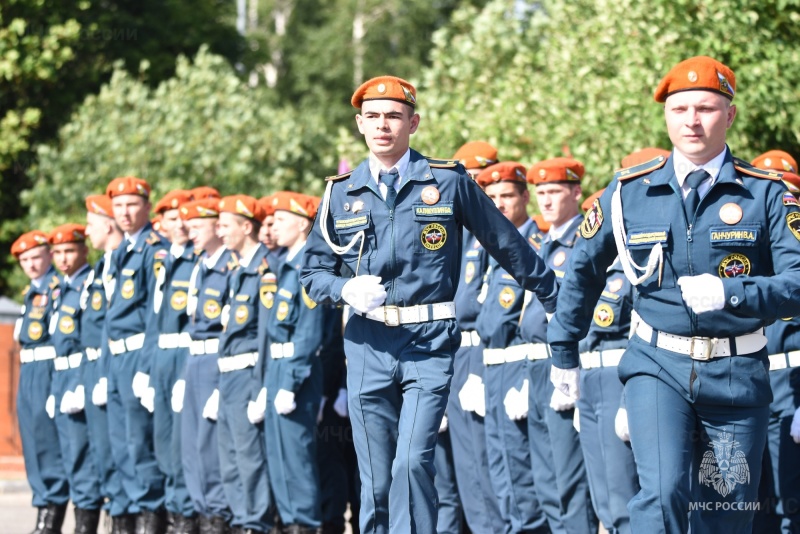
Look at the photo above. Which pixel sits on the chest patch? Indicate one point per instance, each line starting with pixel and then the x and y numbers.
pixel 603 315
pixel 734 265
pixel 97 300
pixel 212 309
pixel 793 222
pixel 433 236
pixel 469 272
pixel 507 297
pixel 178 300
pixel 128 289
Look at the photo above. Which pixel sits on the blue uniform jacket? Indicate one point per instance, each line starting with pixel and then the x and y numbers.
pixel 174 288
pixel 416 247
pixel 756 254
pixel 211 291
pixel 93 305
pixel 33 326
pixel 474 263
pixel 66 334
pixel 611 321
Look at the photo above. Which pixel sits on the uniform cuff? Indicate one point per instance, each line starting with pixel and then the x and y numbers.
pixel 734 292
pixel 565 357
pixel 336 290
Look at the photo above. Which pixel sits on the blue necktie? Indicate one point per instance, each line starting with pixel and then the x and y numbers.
pixel 388 178
pixel 694 179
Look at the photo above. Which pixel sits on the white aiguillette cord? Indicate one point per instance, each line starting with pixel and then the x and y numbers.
pixel 323 225
pixel 656 258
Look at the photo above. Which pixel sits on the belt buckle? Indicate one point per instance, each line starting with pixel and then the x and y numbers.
pixel 391 315
pixel 708 347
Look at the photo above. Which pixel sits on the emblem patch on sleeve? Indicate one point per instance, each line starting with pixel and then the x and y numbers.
pixel 507 297
pixel 734 265
pixel 433 236
pixel 793 222
pixel 789 199
pixel 603 315
pixel 593 220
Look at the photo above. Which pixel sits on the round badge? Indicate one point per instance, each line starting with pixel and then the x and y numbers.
pixel 346 206
pixel 66 325
pixel 212 309
pixel 381 88
pixel 283 310
pixel 734 265
pixel 97 300
pixel 559 258
pixel 507 297
pixel 241 314
pixel 730 213
pixel 35 330
pixel 127 289
pixel 542 173
pixel 430 195
pixel 603 315
pixel 178 300
pixel 615 285
pixel 692 76
pixel 433 236
pixel 469 272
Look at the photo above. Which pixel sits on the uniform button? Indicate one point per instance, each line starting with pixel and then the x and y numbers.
pixel 734 300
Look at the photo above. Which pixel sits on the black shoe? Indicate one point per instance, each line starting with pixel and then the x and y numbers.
pixel 185 525
pixel 41 512
pixel 86 521
pixel 150 522
pixel 123 524
pixel 300 529
pixel 50 518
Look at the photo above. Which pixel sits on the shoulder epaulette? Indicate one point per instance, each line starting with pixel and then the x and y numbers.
pixel 338 177
pixel 54 282
pixel 442 163
pixel 233 263
pixel 264 267
pixel 638 170
pixel 153 238
pixel 25 290
pixel 744 167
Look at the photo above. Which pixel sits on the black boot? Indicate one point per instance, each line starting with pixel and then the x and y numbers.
pixel 213 525
pixel 332 528
pixel 149 522
pixel 300 529
pixel 41 512
pixel 86 521
pixel 123 524
pixel 185 525
pixel 50 518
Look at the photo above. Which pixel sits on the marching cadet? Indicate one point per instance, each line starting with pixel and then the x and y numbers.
pixel 558 471
pixel 241 444
pixel 712 250
pixel 169 322
pixel 293 374
pixel 208 289
pixel 68 247
pixel 44 464
pixel 505 358
pixel 781 477
pixel 276 254
pixel 399 232
pixel 104 235
pixel 134 266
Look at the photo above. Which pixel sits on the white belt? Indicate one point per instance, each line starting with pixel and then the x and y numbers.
pixel 529 351
pixel 601 358
pixel 73 361
pixel 281 350
pixel 703 348
pixel 174 341
pixel 199 347
pixel 470 338
pixel 121 346
pixel 237 362
pixel 37 354
pixel 421 313
pixel 92 354
pixel 784 360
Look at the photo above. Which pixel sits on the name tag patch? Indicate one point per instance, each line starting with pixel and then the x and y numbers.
pixel 433 211
pixel 351 222
pixel 648 236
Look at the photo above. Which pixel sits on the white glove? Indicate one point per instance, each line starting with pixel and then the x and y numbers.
pixel 576 420
pixel 66 403
pixel 284 402
pixel 621 425
pixel 480 400
pixel 560 402
pixel 443 424
pixel 100 392
pixel 50 406
pixel 566 380
pixel 702 293
pixel 79 399
pixel 467 395
pixel 211 408
pixel 364 293
pixel 322 403
pixel 340 404
pixel 178 392
pixel 257 408
pixel 795 430
pixel 148 399
pixel 140 383
pixel 516 402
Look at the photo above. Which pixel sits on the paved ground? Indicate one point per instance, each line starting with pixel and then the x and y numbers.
pixel 17 516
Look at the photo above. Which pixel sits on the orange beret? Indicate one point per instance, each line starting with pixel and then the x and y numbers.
pixel 315 202
pixel 543 225
pixel 698 73
pixel 205 208
pixel 27 241
pixel 792 181
pixel 296 203
pixel 242 205
pixel 99 205
pixel 385 88
pixel 67 233
pixel 776 160
pixel 128 185
pixel 173 200
pixel 586 205
pixel 204 191
pixel 506 171
pixel 266 205
pixel 476 155
pixel 556 170
pixel 643 156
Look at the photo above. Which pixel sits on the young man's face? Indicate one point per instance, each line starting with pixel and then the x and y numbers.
pixel 174 227
pixel 35 262
pixel 288 228
pixel 511 200
pixel 558 203
pixel 265 234
pixel 97 230
pixel 387 126
pixel 202 231
pixel 697 122
pixel 233 229
pixel 131 212
pixel 69 257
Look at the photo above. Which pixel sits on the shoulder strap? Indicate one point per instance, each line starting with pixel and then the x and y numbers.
pixel 638 170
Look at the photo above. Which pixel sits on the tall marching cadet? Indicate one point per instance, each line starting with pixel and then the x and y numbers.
pixel 399 231
pixel 44 464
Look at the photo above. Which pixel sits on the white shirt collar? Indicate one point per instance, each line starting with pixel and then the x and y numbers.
pixel 134 237
pixel 375 167
pixel 683 166
pixel 177 250
pixel 244 261
pixel 556 232
pixel 211 261
pixel 294 249
pixel 38 282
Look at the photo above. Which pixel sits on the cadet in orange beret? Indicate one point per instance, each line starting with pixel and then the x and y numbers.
pixel 44 464
pixel 712 252
pixel 476 156
pixel 169 209
pixel 784 163
pixel 203 192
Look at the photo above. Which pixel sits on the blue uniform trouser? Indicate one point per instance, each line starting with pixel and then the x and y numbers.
pixel 609 460
pixel 99 444
pixel 199 444
pixel 449 516
pixel 556 458
pixel 168 366
pixel 508 451
pixel 44 465
pixel 292 448
pixel 242 458
pixel 73 436
pixel 689 421
pixel 332 439
pixel 130 428
pixel 398 380
pixel 468 441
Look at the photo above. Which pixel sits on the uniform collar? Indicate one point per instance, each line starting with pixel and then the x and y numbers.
pixel 211 261
pixel 417 168
pixel 401 165
pixel 68 280
pixel 295 250
pixel 133 238
pixel 177 250
pixel 683 166
pixel 566 232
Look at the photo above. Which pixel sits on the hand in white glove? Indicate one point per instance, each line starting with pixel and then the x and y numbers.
pixel 340 404
pixel 443 424
pixel 480 400
pixel 702 293
pixel 100 392
pixel 66 403
pixel 560 402
pixel 178 391
pixel 284 402
pixel 322 404
pixel 364 293
pixel 621 425
pixel 211 408
pixel 148 399
pixel 140 383
pixel 567 381
pixel 576 420
pixel 258 408
pixel 795 430
pixel 50 406
pixel 78 399
pixel 516 402
pixel 467 395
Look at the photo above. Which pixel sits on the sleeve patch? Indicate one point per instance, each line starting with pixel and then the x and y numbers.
pixel 593 220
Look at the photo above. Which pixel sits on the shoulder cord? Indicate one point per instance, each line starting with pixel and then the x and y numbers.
pixel 656 258
pixel 323 225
